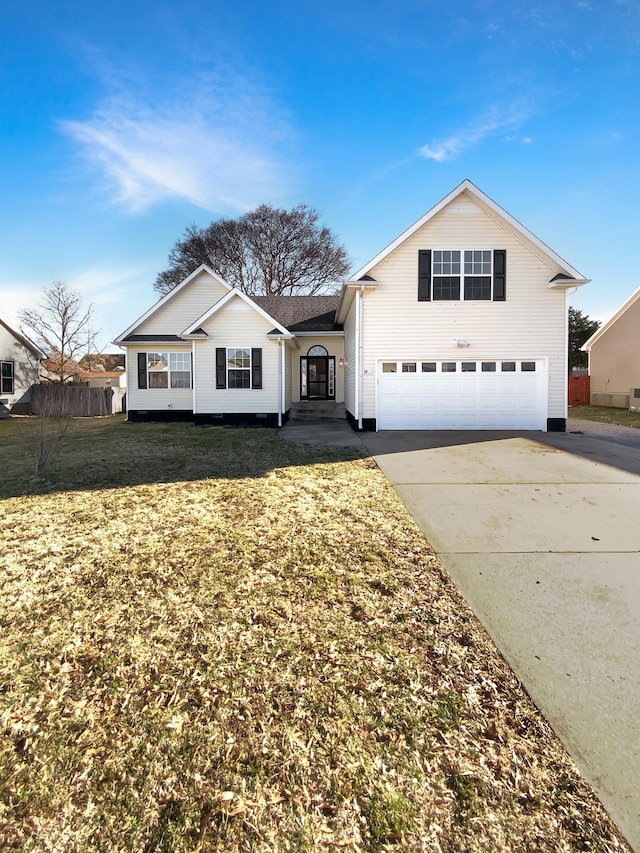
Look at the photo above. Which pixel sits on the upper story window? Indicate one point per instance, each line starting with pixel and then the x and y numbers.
pixel 164 370
pixel 461 275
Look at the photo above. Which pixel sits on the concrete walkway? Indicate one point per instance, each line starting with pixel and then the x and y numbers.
pixel 541 533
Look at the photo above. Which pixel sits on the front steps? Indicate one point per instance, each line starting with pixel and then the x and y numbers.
pixel 308 411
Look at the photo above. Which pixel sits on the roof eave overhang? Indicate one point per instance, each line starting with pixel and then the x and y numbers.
pixel 347 293
pixel 150 341
pixel 567 283
pixel 319 333
pixel 289 338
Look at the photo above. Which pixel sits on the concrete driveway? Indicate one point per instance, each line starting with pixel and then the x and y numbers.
pixel 541 533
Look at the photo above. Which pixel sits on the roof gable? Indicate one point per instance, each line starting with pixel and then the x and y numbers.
pixel 235 293
pixel 629 303
pixel 566 277
pixel 23 340
pixel 169 298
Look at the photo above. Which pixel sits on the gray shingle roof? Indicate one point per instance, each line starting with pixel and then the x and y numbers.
pixel 302 313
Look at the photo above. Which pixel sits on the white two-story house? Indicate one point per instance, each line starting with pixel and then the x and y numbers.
pixel 460 323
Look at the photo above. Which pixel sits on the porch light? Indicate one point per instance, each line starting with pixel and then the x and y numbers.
pixel 463 343
pixel 342 362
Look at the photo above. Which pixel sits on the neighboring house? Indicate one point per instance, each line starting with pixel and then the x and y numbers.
pixel 109 361
pixel 614 358
pixel 20 361
pixel 460 323
pixel 60 369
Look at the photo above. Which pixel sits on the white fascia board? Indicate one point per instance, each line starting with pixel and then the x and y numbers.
pixel 289 339
pixel 586 346
pixel 469 187
pixel 568 283
pixel 319 334
pixel 347 293
pixel 167 298
pixel 235 292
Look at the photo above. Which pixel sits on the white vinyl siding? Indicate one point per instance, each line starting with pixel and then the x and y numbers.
pixel 530 324
pixel 237 324
pixel 189 304
pixel 25 366
pixel 156 399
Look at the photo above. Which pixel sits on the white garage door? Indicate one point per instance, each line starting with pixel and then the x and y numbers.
pixel 506 394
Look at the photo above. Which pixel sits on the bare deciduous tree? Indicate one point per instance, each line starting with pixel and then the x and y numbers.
pixel 267 251
pixel 63 327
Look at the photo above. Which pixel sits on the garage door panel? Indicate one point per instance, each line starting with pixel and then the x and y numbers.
pixel 469 399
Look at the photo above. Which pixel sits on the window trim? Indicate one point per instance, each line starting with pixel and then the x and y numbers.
pixel 11 379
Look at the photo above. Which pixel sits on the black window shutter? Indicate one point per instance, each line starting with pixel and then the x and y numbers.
pixel 142 370
pixel 424 275
pixel 256 368
pixel 221 367
pixel 499 275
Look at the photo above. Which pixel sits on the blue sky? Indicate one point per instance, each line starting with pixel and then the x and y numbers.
pixel 123 122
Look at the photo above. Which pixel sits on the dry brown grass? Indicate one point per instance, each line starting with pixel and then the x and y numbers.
pixel 259 653
pixel 606 415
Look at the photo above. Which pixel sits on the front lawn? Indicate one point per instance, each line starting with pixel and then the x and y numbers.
pixel 606 415
pixel 214 640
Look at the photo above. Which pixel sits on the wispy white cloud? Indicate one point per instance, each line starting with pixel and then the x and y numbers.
pixel 218 144
pixel 496 121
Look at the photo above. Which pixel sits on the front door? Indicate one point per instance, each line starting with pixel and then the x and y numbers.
pixel 317 375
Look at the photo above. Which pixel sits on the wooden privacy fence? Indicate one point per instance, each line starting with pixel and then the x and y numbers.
pixel 77 401
pixel 579 390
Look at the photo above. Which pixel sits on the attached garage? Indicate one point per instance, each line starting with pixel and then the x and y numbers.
pixel 462 394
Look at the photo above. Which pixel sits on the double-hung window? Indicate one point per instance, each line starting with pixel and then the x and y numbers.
pixel 461 275
pixel 164 370
pixel 6 377
pixel 238 367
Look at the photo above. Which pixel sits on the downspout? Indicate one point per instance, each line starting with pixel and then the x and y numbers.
pixel 193 376
pixel 566 359
pixel 281 383
pixel 359 297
